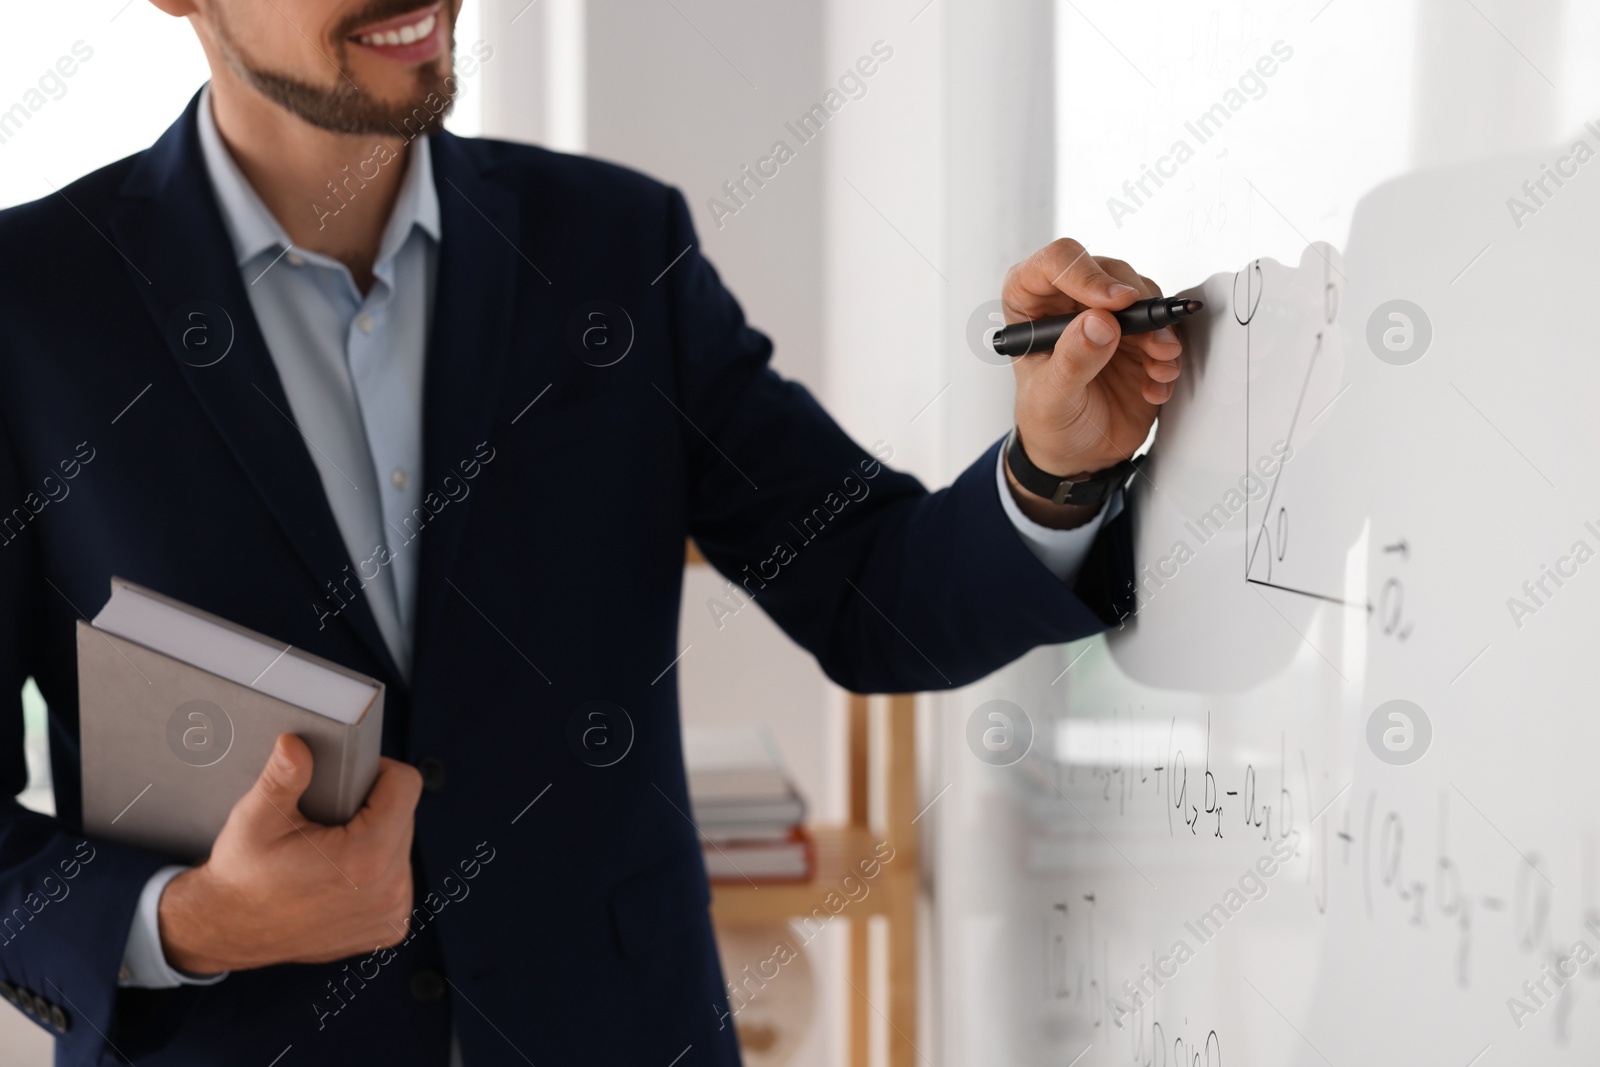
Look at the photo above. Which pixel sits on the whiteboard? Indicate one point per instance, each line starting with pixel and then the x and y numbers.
pixel 1225 772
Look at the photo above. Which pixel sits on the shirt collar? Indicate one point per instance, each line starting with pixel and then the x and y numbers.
pixel 253 228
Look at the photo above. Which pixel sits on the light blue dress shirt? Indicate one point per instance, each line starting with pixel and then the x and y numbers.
pixel 352 369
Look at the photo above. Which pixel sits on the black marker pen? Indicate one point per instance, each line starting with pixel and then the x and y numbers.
pixel 1141 316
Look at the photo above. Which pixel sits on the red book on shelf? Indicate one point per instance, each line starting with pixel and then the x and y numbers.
pixel 790 859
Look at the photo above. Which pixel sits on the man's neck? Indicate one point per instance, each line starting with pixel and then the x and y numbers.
pixel 319 185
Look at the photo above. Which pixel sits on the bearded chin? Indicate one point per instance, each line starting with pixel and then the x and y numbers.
pixel 346 108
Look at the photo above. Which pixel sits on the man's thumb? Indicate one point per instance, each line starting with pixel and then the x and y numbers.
pixel 275 798
pixel 1085 347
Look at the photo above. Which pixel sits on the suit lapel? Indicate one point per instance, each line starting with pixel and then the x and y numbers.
pixel 474 307
pixel 169 223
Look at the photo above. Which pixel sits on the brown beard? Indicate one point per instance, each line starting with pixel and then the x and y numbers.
pixel 346 107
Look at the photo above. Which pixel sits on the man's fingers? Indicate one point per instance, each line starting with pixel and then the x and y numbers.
pixel 1083 278
pixel 1084 349
pixel 1061 278
pixel 1124 273
pixel 1157 392
pixel 273 805
pixel 1160 344
pixel 394 795
pixel 288 770
pixel 1162 370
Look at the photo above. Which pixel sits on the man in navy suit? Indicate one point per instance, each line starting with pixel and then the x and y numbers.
pixel 314 365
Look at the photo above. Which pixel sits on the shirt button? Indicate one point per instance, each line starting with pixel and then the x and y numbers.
pixel 295 259
pixel 364 323
pixel 400 479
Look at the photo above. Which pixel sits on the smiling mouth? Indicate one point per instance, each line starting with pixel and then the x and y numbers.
pixel 409 38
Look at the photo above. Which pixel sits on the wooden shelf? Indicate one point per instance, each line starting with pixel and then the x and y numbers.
pixel 839 851
pixel 892 894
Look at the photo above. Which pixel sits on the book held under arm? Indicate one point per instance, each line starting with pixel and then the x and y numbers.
pixel 178 711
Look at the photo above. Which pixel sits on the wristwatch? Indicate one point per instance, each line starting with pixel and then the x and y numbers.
pixel 1091 490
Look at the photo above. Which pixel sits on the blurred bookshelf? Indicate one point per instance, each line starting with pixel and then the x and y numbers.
pixel 840 850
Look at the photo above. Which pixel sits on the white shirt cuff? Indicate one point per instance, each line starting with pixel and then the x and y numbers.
pixel 144 964
pixel 1061 551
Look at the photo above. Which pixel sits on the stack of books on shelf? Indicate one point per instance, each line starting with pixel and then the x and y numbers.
pixel 745 806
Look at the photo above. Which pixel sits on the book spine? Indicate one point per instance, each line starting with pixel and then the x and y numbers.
pixel 358 765
pixel 348 804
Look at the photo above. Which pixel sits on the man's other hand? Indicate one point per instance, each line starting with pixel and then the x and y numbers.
pixel 279 888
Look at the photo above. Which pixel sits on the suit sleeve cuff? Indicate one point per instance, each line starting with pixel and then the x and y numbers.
pixel 144 964
pixel 1061 551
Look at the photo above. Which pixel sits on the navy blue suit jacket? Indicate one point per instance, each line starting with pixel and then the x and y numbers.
pixel 575 930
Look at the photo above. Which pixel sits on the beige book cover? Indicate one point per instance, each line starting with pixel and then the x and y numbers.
pixel 178 711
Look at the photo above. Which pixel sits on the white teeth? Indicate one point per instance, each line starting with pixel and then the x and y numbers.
pixel 417 31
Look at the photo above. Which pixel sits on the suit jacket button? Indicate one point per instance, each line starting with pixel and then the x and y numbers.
pixel 60 1020
pixel 8 991
pixel 427 985
pixel 433 775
